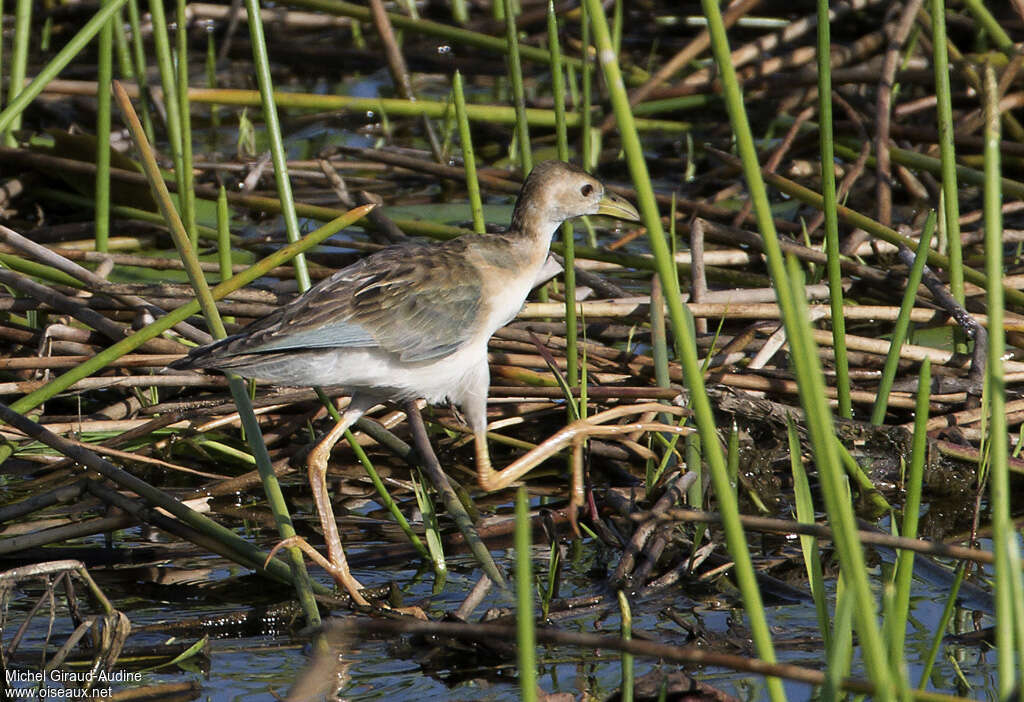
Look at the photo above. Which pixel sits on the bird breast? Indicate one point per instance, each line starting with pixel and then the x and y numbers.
pixel 507 280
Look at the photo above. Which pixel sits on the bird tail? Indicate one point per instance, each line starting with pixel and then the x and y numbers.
pixel 207 356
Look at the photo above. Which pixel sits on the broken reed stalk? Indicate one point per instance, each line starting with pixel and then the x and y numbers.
pixel 185 246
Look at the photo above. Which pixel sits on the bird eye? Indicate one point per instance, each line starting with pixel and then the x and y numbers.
pixel 586 190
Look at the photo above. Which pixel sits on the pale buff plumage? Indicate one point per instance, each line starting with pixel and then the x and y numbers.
pixel 412 321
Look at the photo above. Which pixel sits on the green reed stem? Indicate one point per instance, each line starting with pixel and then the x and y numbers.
pixel 828 190
pixel 22 96
pixel 806 364
pixel 460 13
pixel 172 105
pixel 685 344
pixel 431 528
pixel 1007 585
pixel 277 152
pixel 223 235
pixel 826 448
pixel 617 27
pixel 515 71
pixel 224 239
pixel 572 370
pixel 526 635
pixel 902 326
pixel 687 102
pixel 626 629
pixel 124 52
pixel 468 157
pixel 938 640
pixel 211 82
pixel 583 111
pixel 253 433
pixel 139 66
pixel 104 74
pixel 805 514
pixel 991 26
pixel 900 612
pixel 19 60
pixel 842 643
pixel 496 114
pixel 186 196
pixel 947 149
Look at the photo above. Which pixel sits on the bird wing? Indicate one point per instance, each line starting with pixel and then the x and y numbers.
pixel 419 302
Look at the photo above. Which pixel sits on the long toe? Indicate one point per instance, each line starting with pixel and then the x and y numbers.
pixel 338 568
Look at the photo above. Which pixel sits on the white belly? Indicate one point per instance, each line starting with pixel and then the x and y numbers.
pixel 381 374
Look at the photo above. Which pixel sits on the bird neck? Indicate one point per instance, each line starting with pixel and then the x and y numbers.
pixel 513 252
pixel 533 222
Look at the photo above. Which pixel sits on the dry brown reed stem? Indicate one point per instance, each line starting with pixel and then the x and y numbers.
pixel 137 457
pixel 897 34
pixel 726 310
pixel 734 236
pixel 785 526
pixel 177 291
pixel 117 313
pixel 674 490
pixel 91 425
pixel 232 419
pixel 108 382
pixel 279 17
pixel 696 46
pixel 789 387
pixel 163 264
pixel 128 361
pixel 968 416
pixel 52 258
pixel 703 79
pixel 698 277
pixel 81 312
pixel 341 631
pixel 778 153
pixel 491 178
pixel 59 534
pixel 912 352
pixel 399 72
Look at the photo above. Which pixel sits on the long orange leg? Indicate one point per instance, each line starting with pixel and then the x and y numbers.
pixel 317 464
pixel 571 435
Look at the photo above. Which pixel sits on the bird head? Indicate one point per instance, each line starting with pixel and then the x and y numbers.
pixel 556 191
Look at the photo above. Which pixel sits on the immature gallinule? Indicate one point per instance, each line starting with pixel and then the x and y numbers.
pixel 412 321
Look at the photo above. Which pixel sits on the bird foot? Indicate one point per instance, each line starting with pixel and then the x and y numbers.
pixel 338 570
